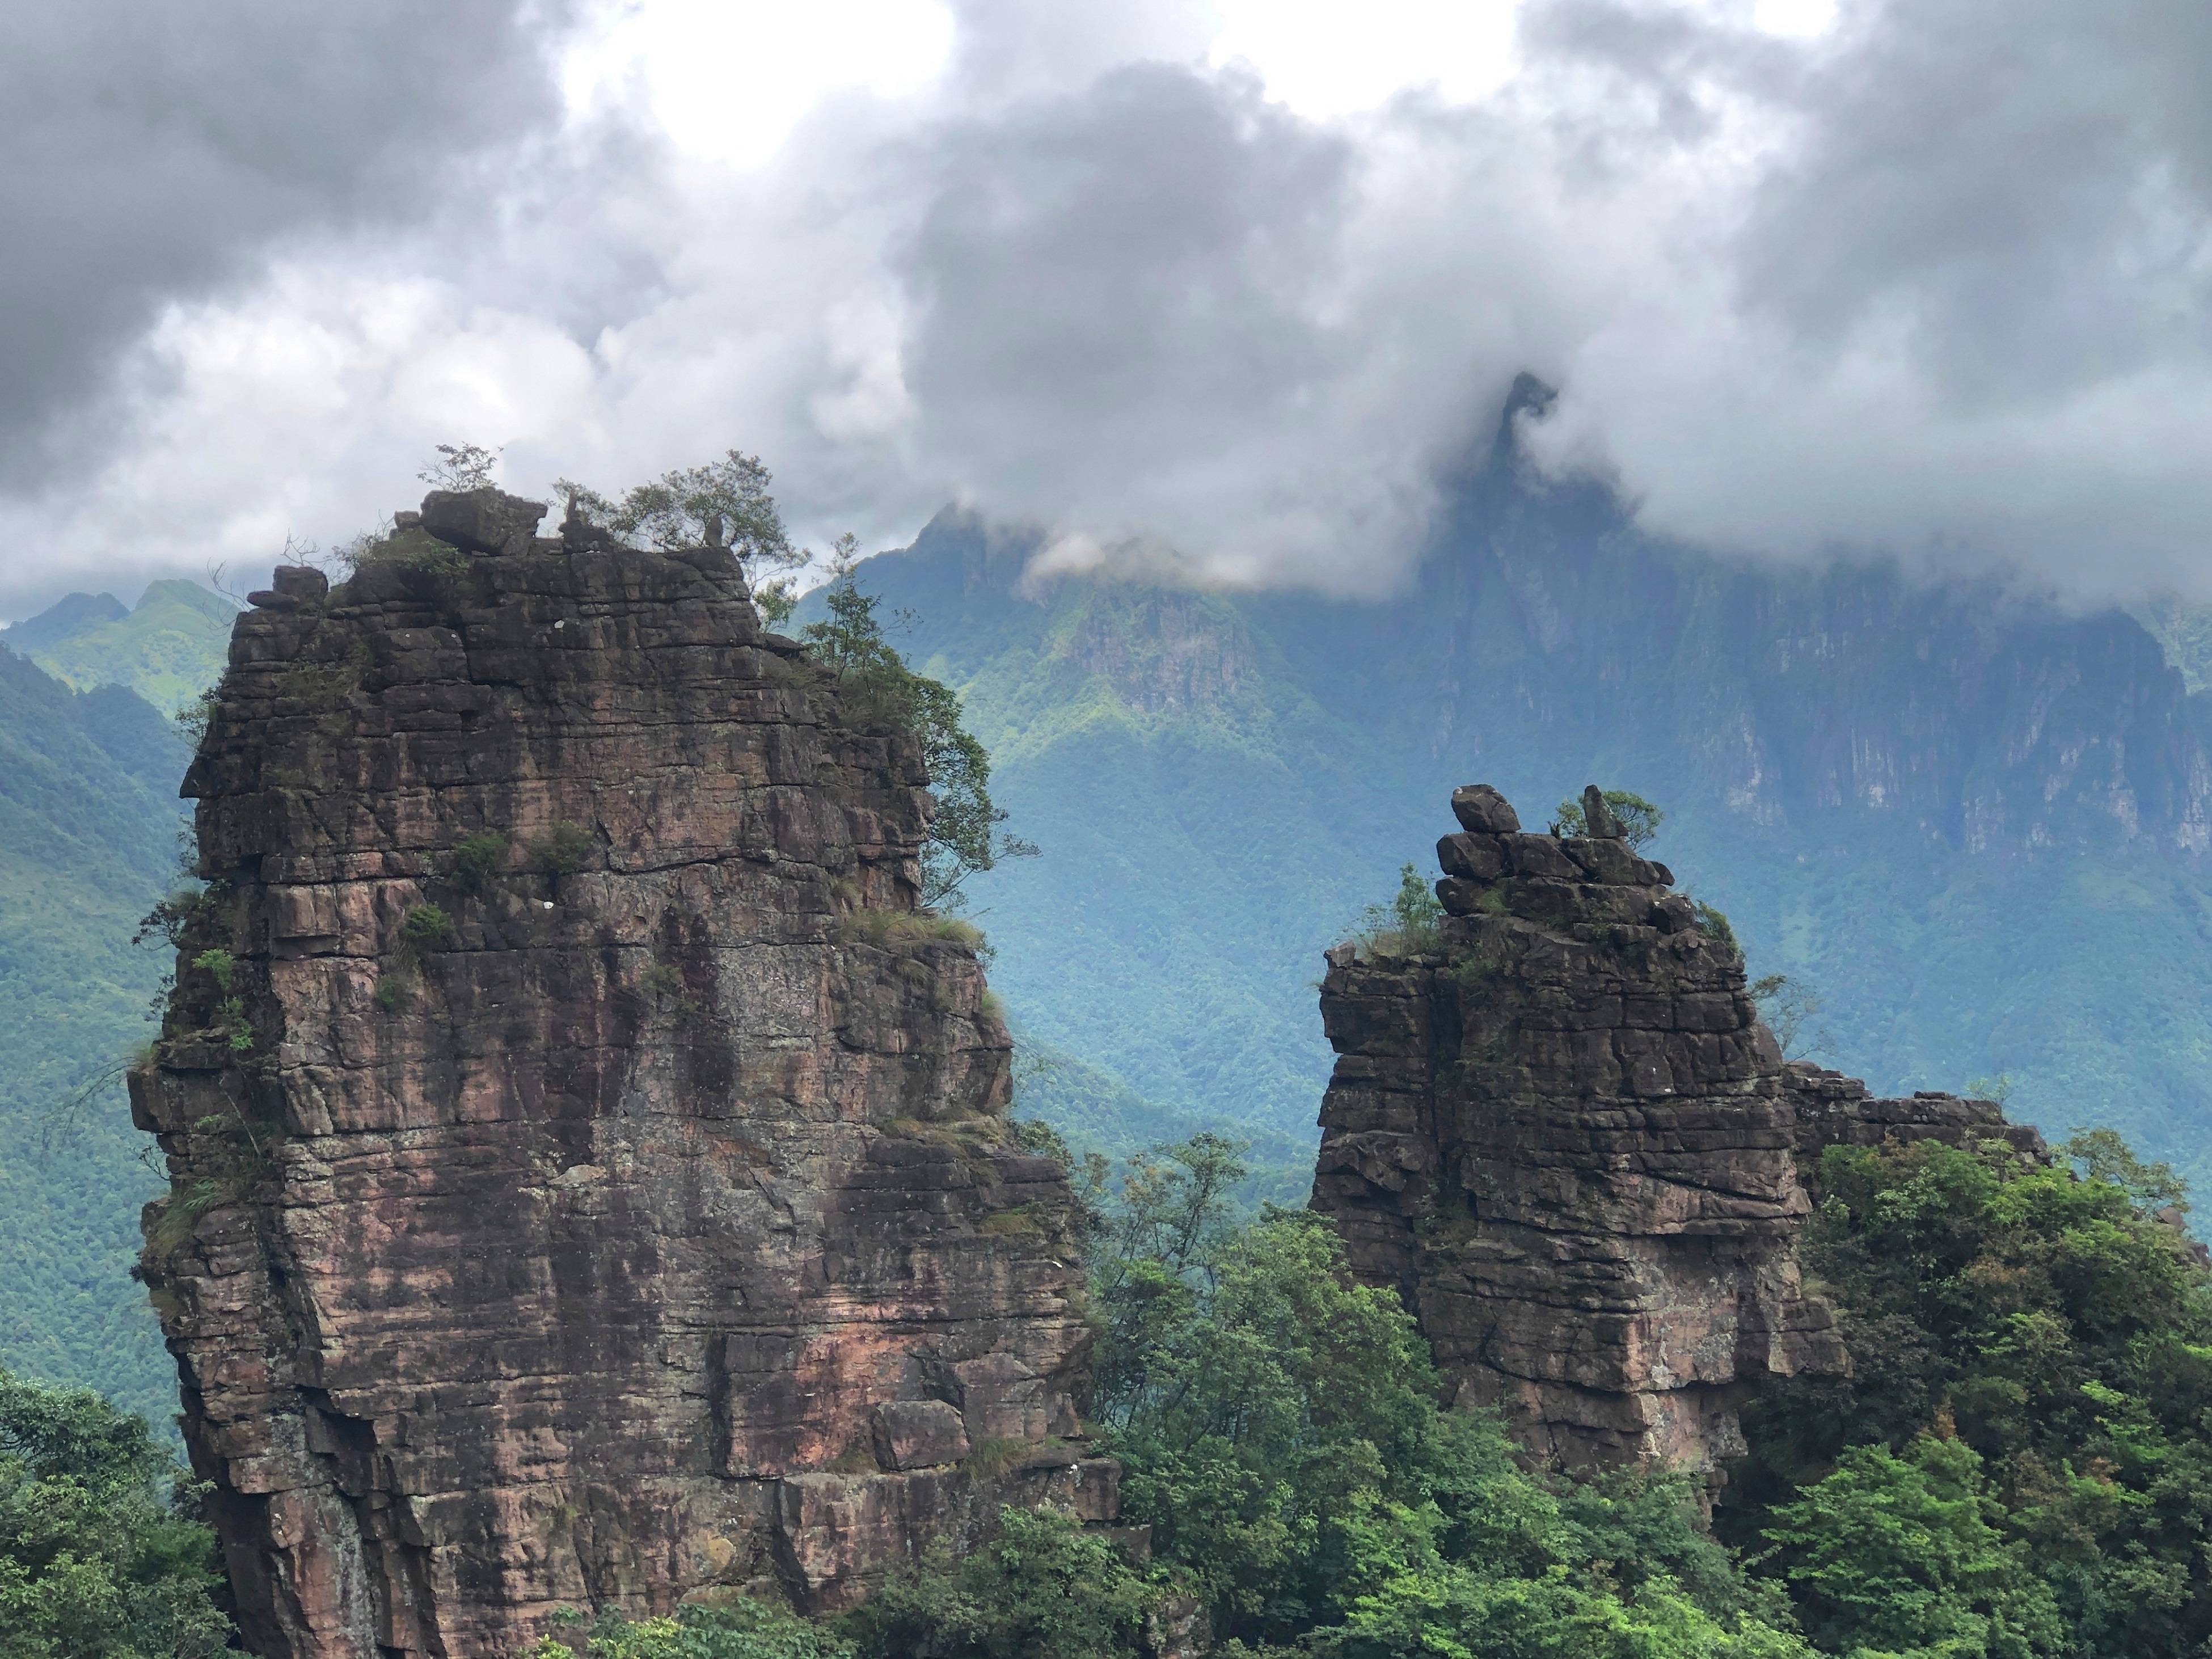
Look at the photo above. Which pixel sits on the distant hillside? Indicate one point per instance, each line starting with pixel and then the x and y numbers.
pixel 1976 826
pixel 168 650
pixel 88 824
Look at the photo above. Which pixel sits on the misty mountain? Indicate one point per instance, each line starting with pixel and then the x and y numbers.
pixel 1974 825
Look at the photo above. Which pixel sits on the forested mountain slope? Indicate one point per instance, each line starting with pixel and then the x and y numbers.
pixel 168 649
pixel 1974 825
pixel 89 822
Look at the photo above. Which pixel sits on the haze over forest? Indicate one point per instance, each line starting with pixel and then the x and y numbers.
pixel 1235 440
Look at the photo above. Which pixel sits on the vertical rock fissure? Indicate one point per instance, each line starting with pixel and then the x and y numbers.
pixel 590 1176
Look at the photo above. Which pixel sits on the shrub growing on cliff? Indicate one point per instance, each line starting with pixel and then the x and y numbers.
pixel 1713 922
pixel 191 720
pixel 1411 923
pixel 1638 818
pixel 477 858
pixel 101 1555
pixel 1788 1008
pixel 562 848
pixel 460 466
pixel 411 549
pixel 727 500
pixel 965 836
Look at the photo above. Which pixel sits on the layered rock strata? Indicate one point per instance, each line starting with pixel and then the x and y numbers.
pixel 1561 1130
pixel 591 1183
pixel 1832 1109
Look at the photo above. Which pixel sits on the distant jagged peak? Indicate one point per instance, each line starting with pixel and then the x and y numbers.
pixel 67 617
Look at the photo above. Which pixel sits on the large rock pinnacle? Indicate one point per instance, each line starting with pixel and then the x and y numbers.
pixel 591 1183
pixel 1560 1130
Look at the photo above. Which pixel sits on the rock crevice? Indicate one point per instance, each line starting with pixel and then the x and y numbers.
pixel 590 1180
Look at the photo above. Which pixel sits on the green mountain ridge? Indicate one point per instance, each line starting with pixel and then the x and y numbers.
pixel 1974 826
pixel 168 649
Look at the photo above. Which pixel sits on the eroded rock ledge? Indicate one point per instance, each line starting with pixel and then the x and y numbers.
pixel 1562 1132
pixel 592 1183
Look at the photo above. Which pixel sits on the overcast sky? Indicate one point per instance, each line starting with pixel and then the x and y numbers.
pixel 1243 281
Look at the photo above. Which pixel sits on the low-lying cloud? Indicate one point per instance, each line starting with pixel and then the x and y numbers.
pixel 1933 282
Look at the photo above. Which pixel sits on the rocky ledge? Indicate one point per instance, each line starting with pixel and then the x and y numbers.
pixel 1560 1128
pixel 591 1183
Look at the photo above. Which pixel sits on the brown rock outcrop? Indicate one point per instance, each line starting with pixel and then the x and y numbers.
pixel 1561 1130
pixel 1832 1109
pixel 591 1183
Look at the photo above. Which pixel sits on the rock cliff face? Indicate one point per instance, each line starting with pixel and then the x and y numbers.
pixel 591 1183
pixel 1561 1130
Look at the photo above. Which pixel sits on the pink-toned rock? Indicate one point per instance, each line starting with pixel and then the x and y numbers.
pixel 919 1434
pixel 559 1221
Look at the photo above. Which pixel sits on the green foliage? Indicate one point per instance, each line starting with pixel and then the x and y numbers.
pixel 219 965
pixel 2054 1334
pixel 1787 1007
pixel 411 549
pixel 724 503
pixel 426 927
pixel 1906 1556
pixel 2101 1155
pixel 739 1629
pixel 1043 1588
pixel 101 1555
pixel 775 598
pixel 562 848
pixel 193 717
pixel 1172 1209
pixel 1410 924
pixel 175 916
pixel 1280 1433
pixel 1714 924
pixel 1638 818
pixel 477 858
pixel 964 838
pixel 461 466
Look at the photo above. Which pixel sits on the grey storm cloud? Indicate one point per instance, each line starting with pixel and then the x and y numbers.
pixel 1960 304
pixel 1907 287
pixel 2021 185
pixel 153 152
pixel 1932 282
